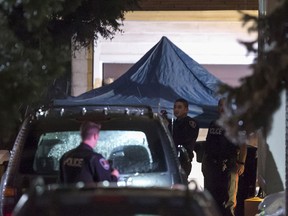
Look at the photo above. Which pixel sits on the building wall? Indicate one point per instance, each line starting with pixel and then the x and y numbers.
pixel 271 166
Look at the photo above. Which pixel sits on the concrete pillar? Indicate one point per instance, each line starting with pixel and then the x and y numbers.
pixel 267 6
pixel 82 70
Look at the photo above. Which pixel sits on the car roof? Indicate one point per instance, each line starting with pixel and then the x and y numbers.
pixel 126 110
pixel 74 115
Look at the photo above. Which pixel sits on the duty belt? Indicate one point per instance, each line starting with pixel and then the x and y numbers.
pixel 218 161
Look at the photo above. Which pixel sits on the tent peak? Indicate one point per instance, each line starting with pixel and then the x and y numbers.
pixel 164 74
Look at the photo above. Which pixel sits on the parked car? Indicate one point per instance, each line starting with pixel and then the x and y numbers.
pixel 113 201
pixel 134 138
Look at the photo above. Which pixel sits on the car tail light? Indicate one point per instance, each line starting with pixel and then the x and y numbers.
pixel 9 192
pixel 9 200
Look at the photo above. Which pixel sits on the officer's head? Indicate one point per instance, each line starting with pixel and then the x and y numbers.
pixel 180 108
pixel 221 104
pixel 89 129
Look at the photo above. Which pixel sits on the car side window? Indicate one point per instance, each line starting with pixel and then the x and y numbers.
pixel 51 147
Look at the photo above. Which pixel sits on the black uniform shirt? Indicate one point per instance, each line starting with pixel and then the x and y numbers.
pixel 217 146
pixel 185 132
pixel 85 165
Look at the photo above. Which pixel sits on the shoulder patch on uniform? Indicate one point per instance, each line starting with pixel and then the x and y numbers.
pixel 104 163
pixel 192 124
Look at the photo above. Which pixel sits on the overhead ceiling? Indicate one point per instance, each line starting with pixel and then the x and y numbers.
pixel 194 5
pixel 219 15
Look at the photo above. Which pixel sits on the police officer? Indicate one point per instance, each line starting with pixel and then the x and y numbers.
pixel 222 164
pixel 82 164
pixel 184 131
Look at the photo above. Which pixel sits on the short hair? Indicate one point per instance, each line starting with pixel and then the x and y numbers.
pixel 88 128
pixel 221 101
pixel 182 100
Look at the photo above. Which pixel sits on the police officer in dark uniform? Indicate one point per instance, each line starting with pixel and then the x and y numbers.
pixel 184 131
pixel 82 164
pixel 222 164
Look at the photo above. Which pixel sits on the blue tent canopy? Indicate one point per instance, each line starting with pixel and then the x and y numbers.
pixel 162 75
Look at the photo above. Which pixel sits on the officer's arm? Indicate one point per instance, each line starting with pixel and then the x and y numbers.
pixel 242 154
pixel 115 175
pixel 196 131
pixel 103 170
pixel 242 158
pixel 193 131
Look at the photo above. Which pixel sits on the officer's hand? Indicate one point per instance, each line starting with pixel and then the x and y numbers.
pixel 115 172
pixel 240 169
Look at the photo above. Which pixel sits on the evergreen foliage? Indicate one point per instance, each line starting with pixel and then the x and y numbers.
pixel 35 47
pixel 251 106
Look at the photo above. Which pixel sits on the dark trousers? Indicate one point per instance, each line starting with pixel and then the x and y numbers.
pixel 221 180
